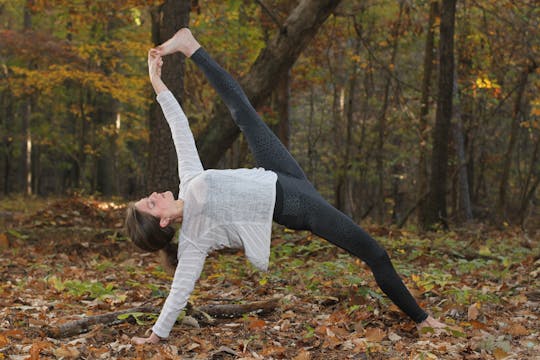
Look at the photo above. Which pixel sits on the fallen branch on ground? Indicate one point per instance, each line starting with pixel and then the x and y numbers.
pixel 205 313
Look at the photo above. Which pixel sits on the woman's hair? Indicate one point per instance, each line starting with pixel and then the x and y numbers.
pixel 145 231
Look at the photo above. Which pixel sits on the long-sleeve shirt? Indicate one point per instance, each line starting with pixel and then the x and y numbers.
pixel 222 209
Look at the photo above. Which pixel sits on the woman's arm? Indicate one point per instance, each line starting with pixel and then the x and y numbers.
pixel 189 163
pixel 188 271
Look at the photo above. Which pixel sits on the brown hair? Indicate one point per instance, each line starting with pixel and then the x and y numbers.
pixel 144 230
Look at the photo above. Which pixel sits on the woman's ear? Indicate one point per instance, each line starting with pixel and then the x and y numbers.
pixel 164 222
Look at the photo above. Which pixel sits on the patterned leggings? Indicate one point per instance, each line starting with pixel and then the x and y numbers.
pixel 298 205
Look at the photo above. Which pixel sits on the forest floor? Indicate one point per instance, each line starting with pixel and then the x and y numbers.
pixel 62 259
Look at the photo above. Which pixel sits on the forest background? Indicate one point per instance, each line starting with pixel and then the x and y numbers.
pixel 359 108
pixel 407 115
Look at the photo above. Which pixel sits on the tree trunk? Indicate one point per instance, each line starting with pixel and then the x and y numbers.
pixel 167 18
pixel 436 203
pixel 531 183
pixel 464 210
pixel 27 111
pixel 276 59
pixel 6 103
pixel 429 52
pixel 507 161
pixel 381 126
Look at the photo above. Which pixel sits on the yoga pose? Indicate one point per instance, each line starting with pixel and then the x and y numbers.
pixel 235 208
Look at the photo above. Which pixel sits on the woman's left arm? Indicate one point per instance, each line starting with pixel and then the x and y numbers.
pixel 189 163
pixel 188 271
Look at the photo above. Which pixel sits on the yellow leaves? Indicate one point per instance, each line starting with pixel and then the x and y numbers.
pixel 484 82
pixel 484 250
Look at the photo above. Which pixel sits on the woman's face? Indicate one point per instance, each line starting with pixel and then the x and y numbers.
pixel 162 205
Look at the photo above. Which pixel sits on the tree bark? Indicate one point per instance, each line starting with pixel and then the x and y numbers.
pixel 464 209
pixel 531 183
pixel 436 203
pixel 167 18
pixel 27 111
pixel 422 175
pixel 381 126
pixel 276 59
pixel 507 161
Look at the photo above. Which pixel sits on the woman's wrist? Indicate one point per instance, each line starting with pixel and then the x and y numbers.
pixel 158 85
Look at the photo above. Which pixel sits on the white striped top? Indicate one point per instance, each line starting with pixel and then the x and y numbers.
pixel 222 209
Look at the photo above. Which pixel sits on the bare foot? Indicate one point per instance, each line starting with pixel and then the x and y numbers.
pixel 183 41
pixel 431 325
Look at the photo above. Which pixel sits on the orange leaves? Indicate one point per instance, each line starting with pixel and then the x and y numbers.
pixel 256 324
pixel 4 241
pixel 374 334
pixel 36 349
pixel 517 330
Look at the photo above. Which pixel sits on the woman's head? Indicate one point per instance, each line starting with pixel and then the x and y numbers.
pixel 146 231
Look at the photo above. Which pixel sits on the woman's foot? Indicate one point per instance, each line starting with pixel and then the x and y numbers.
pixel 183 41
pixel 431 325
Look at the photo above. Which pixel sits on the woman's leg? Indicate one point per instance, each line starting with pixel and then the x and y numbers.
pixel 334 226
pixel 305 208
pixel 267 149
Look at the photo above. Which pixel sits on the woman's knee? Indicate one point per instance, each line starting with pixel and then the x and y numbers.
pixel 378 257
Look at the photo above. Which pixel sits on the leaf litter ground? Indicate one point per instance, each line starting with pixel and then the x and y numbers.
pixel 64 259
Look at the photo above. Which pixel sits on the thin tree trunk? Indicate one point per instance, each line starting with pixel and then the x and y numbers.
pixel 429 57
pixel 167 18
pixel 381 127
pixel 507 161
pixel 27 112
pixel 464 198
pixel 312 138
pixel 529 189
pixel 436 203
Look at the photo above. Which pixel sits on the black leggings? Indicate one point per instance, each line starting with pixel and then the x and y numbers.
pixel 298 205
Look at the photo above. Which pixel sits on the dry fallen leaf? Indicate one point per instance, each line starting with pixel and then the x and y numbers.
pixel 303 355
pixel 374 334
pixel 517 330
pixel 4 241
pixel 255 324
pixel 3 340
pixel 500 354
pixel 393 337
pixel 66 352
pixel 473 311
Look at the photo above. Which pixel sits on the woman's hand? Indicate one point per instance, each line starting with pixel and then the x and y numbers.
pixel 155 62
pixel 152 339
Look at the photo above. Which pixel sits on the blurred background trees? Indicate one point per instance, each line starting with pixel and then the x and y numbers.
pixel 357 99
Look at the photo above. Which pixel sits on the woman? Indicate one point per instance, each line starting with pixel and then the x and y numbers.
pixel 235 208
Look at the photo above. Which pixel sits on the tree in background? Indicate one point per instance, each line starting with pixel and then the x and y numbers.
pixel 436 212
pixel 162 173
